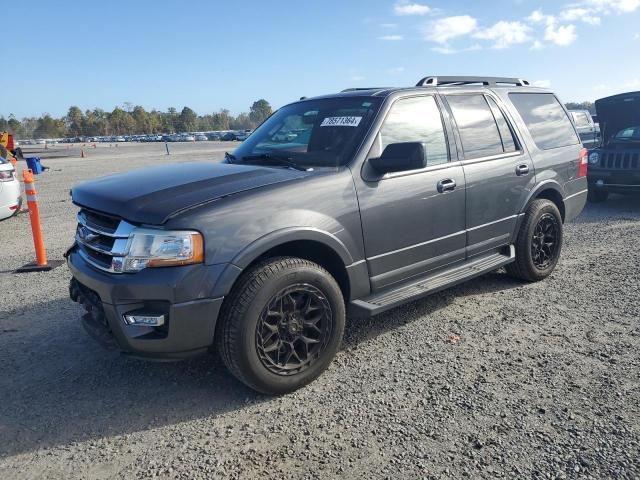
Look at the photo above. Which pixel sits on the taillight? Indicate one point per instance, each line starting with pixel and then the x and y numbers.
pixel 6 175
pixel 584 162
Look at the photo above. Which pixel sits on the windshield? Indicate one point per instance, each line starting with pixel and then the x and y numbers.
pixel 629 133
pixel 313 133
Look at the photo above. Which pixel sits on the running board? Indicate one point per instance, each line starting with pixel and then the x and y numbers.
pixel 392 297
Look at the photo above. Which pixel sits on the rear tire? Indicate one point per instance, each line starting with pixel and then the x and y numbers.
pixel 539 242
pixel 597 196
pixel 281 325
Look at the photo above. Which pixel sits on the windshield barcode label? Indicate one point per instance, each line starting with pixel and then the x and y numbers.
pixel 341 122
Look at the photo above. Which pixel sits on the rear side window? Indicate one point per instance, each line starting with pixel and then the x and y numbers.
pixel 545 118
pixel 478 129
pixel 417 119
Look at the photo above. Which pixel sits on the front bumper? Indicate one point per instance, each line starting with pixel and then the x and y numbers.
pixel 178 293
pixel 614 180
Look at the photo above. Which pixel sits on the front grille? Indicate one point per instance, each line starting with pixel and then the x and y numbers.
pixel 101 222
pixel 620 160
pixel 102 239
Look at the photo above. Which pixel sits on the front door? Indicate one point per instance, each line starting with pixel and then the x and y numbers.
pixel 414 221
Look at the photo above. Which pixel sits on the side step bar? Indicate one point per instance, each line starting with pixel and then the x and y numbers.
pixel 415 289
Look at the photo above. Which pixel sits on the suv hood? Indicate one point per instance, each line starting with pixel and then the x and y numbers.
pixel 617 112
pixel 153 195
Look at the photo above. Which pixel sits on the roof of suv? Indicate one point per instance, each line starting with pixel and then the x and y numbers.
pixel 439 84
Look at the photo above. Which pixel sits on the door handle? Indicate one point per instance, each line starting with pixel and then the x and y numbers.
pixel 446 185
pixel 522 169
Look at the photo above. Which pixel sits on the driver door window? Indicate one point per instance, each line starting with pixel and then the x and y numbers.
pixel 417 119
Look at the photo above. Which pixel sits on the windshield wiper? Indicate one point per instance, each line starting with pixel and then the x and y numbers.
pixel 229 157
pixel 277 159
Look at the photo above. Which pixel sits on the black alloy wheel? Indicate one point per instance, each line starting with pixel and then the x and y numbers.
pixel 281 325
pixel 293 329
pixel 544 243
pixel 538 243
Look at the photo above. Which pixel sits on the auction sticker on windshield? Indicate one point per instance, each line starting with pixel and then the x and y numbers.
pixel 341 122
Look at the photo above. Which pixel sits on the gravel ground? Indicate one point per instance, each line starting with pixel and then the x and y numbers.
pixel 494 378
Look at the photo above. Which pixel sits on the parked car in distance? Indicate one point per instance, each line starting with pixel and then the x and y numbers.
pixel 228 137
pixel 587 129
pixel 10 196
pixel 201 138
pixel 361 200
pixel 615 165
pixel 242 136
pixel 214 136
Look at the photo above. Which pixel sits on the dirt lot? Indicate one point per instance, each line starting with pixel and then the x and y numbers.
pixel 494 378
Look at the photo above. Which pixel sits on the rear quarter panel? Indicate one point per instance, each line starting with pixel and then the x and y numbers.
pixel 554 168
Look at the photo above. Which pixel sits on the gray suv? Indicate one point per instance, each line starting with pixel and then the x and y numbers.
pixel 354 202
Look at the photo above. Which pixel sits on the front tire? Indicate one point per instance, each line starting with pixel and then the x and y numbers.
pixel 539 242
pixel 281 325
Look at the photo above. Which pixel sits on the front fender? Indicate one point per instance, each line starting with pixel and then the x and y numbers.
pixel 257 248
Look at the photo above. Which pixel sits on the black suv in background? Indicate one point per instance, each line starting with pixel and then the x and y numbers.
pixel 358 201
pixel 615 165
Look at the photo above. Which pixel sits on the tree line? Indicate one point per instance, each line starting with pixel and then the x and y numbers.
pixel 132 119
pixel 582 106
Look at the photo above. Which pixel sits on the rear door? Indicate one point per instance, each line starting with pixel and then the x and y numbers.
pixel 413 221
pixel 498 173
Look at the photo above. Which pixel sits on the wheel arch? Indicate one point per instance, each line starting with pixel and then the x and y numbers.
pixel 311 244
pixel 549 190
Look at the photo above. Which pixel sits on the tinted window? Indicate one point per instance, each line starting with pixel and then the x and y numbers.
pixel 506 134
pixel 322 132
pixel 631 133
pixel 416 119
pixel 545 118
pixel 477 127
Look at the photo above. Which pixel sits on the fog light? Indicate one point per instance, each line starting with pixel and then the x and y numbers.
pixel 144 319
pixel 600 183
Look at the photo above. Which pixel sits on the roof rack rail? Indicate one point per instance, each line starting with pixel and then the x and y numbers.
pixel 453 81
pixel 356 89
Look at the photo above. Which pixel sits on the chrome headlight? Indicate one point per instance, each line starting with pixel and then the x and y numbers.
pixel 158 248
pixel 594 157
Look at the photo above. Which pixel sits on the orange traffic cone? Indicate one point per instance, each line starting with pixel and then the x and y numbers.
pixel 41 263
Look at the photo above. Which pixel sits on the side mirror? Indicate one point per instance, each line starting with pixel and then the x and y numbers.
pixel 399 157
